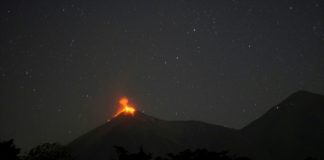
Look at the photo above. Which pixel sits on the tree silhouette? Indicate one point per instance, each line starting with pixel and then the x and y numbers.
pixel 8 150
pixel 203 154
pixel 141 155
pixel 122 152
pixel 49 151
pixel 199 154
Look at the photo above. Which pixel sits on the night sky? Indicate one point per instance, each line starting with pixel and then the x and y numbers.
pixel 65 64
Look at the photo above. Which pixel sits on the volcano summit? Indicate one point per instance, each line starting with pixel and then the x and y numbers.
pixel 293 129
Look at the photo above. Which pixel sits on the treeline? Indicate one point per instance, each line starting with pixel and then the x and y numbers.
pixel 199 154
pixel 55 151
pixel 46 151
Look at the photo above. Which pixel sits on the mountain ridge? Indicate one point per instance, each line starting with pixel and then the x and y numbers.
pixel 280 133
pixel 149 131
pixel 295 125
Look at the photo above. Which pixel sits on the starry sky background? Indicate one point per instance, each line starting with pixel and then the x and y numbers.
pixel 64 64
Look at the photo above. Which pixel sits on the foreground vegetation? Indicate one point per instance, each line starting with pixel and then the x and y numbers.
pixel 55 151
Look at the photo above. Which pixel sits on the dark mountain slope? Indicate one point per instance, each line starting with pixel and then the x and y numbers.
pixel 293 129
pixel 156 136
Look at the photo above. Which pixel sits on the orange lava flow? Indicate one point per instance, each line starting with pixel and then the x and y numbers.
pixel 125 108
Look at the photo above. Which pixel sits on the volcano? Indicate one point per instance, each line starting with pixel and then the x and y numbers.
pixel 154 135
pixel 293 129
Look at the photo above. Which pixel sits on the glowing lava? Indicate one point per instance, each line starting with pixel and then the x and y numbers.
pixel 125 109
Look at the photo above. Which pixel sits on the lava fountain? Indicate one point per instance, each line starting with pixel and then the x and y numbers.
pixel 125 108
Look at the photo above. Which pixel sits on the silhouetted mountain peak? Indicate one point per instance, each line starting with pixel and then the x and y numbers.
pixel 302 100
pixel 303 94
pixel 294 123
pixel 281 133
pixel 299 104
pixel 155 135
pixel 137 117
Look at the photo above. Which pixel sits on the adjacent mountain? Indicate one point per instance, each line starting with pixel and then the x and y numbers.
pixel 293 129
pixel 155 136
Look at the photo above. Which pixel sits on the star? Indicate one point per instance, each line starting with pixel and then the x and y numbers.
pixel 291 8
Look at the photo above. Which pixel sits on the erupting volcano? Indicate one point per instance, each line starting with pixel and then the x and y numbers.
pixel 282 133
pixel 125 108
